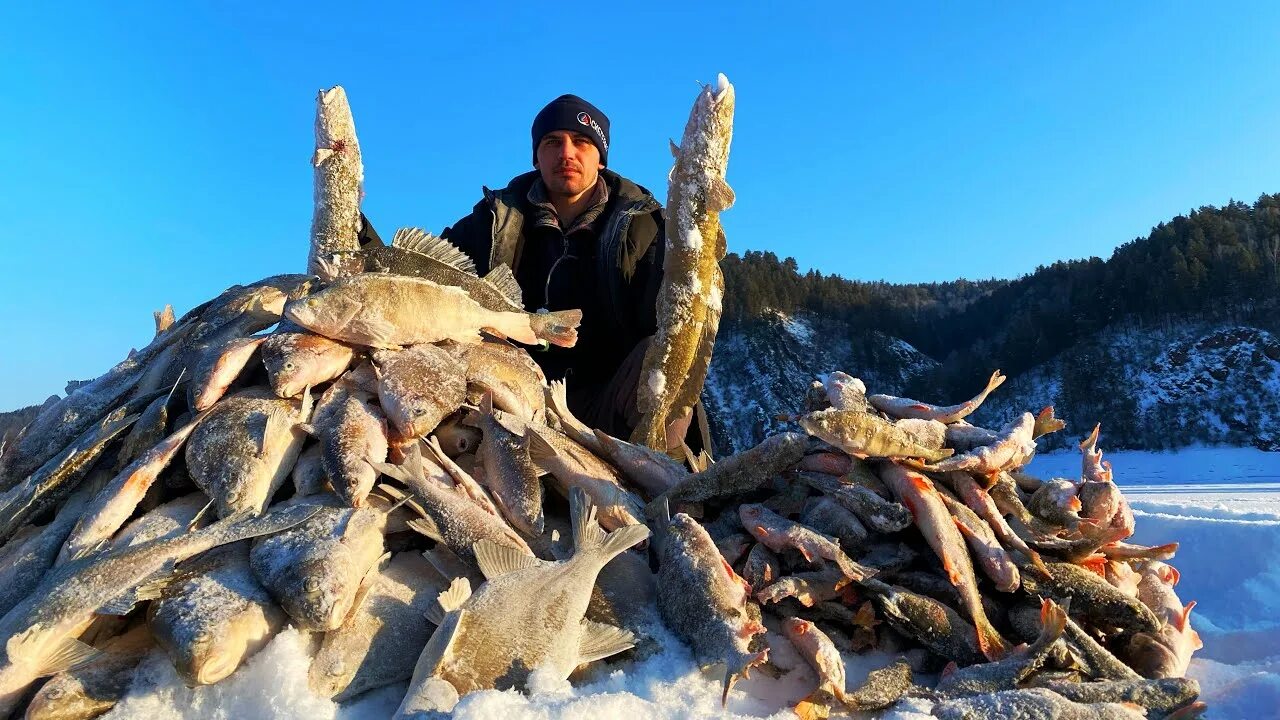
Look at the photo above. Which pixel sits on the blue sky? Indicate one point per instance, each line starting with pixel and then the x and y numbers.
pixel 158 154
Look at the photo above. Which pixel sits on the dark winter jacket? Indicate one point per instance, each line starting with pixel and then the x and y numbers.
pixel 609 264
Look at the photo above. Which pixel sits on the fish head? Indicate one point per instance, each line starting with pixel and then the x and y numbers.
pixel 1152 657
pixel 330 673
pixel 315 594
pixel 213 658
pixel 64 696
pixel 324 312
pixel 710 126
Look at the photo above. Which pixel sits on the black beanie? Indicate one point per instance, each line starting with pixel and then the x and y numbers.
pixel 572 113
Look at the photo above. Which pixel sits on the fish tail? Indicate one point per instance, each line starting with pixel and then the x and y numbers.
pixel 993 646
pixel 733 671
pixel 588 536
pixel 558 328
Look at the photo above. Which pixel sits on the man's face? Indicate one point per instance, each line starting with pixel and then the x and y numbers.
pixel 569 162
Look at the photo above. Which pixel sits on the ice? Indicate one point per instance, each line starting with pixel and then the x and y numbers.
pixel 1229 536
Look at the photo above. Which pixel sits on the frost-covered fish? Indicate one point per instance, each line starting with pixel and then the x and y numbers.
pixel 60 476
pixel 981 503
pixel 929 622
pixel 739 473
pixel 705 602
pixel 95 688
pixel 1031 704
pixel 874 511
pixel 917 492
pixel 339 180
pixel 509 472
pixel 831 518
pixel 353 438
pixel 1091 597
pixel 308 475
pixel 416 253
pixel 216 616
pixel 166 521
pixel 572 465
pixel 506 372
pixel 779 534
pixel 418 387
pixel 690 297
pixel 761 568
pixel 1056 503
pixel 39 633
pixel 808 588
pixel 381 638
pixel 883 687
pixel 243 450
pixel 865 435
pixel 315 568
pixel 528 615
pixel 385 311
pixel 296 360
pixel 25 564
pixel 986 549
pixel 449 516
pixel 219 368
pixel 845 392
pixel 1093 467
pixel 1161 696
pixel 1009 672
pixel 653 471
pixel 902 408
pixel 1013 448
pixel 112 506
pixel 821 655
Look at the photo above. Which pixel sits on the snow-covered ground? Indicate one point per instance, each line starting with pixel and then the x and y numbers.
pixel 1221 504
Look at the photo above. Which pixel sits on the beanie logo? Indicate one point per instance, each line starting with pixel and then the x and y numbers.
pixel 585 119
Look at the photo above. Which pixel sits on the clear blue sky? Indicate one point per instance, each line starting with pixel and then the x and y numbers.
pixel 154 154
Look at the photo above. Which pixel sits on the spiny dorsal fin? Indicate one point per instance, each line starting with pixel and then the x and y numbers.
pixel 496 559
pixel 599 641
pixel 420 241
pixel 505 282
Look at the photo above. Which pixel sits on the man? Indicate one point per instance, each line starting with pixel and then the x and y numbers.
pixel 578 235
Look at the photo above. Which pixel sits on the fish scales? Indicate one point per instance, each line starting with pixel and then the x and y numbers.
pixel 740 473
pixel 379 641
pixel 919 495
pixel 419 386
pixel 296 360
pixel 704 601
pixel 866 435
pixel 528 614
pixel 315 568
pixel 243 450
pixel 38 632
pixel 338 181
pixel 509 472
pixel 215 616
pixel 690 297
pixel 95 688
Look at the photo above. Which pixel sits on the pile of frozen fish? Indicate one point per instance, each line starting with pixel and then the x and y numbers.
pixel 426 504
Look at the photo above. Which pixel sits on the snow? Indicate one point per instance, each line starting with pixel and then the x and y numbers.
pixel 1221 504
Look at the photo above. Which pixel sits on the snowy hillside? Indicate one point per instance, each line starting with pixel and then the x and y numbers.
pixel 1153 388
pixel 762 368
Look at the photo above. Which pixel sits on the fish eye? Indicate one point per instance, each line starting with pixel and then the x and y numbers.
pixel 337 668
pixel 311 585
pixel 288 365
pixel 204 636
pixel 56 693
pixel 233 496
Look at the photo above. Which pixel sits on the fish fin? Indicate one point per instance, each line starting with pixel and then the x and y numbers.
pixel 504 282
pixel 990 642
pixel 199 516
pixel 540 451
pixel 720 196
pixel 458 593
pixel 321 154
pixel 370 579
pixel 675 149
pixel 600 641
pixel 588 536
pixel 497 559
pixel 812 709
pixel 124 603
pixel 559 328
pixel 69 654
pixel 427 527
pixel 435 247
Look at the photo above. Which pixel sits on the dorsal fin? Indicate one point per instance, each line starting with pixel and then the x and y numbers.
pixel 437 248
pixel 495 559
pixel 502 280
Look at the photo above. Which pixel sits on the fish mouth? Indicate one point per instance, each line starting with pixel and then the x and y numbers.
pixel 722 86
